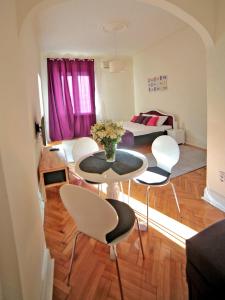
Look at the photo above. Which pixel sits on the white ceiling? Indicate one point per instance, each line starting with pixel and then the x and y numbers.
pixel 75 27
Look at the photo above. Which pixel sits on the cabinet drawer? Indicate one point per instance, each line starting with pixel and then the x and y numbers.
pixel 54 177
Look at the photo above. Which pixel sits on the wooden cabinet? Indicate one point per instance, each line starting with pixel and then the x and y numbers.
pixel 53 167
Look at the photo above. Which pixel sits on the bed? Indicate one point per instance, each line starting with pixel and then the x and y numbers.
pixel 139 134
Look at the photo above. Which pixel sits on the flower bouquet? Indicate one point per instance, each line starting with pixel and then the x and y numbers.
pixel 108 134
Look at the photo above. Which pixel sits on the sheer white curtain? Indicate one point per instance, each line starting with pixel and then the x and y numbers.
pixel 99 101
pixel 44 86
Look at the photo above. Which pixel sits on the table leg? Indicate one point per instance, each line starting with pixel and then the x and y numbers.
pixel 113 252
pixel 113 191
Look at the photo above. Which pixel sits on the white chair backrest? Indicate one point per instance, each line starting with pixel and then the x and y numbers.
pixel 68 147
pixel 83 146
pixel 166 152
pixel 92 215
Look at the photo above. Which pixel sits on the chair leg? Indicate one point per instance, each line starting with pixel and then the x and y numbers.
pixel 72 256
pixel 128 192
pixel 140 239
pixel 175 196
pixel 113 252
pixel 154 197
pixel 147 197
pixel 121 189
pixel 99 191
pixel 118 273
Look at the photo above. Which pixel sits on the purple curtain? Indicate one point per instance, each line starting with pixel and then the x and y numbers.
pixel 71 93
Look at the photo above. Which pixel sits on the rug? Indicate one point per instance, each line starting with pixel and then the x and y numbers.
pixel 190 159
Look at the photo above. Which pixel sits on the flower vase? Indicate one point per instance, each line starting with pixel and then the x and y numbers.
pixel 110 151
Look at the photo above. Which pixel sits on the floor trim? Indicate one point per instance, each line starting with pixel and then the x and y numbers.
pixel 214 199
pixel 47 276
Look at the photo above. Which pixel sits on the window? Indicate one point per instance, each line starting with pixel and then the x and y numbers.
pixel 71 94
pixel 84 93
pixel 40 96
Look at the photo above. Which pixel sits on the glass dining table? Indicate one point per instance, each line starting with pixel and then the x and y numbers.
pixel 127 165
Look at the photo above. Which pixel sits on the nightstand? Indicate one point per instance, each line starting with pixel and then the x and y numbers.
pixel 177 134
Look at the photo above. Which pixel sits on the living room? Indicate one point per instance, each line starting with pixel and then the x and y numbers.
pixel 20 108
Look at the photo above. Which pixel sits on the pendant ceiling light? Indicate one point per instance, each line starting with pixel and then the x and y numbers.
pixel 114 65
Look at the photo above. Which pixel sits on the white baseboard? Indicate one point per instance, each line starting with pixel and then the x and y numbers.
pixel 214 199
pixel 47 276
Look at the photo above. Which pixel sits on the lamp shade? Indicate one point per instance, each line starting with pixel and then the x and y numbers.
pixel 116 66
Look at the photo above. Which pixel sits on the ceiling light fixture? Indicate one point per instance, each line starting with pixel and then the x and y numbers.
pixel 114 65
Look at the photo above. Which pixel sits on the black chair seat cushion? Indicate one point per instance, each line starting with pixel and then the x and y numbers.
pixel 206 255
pixel 126 218
pixel 92 182
pixel 149 179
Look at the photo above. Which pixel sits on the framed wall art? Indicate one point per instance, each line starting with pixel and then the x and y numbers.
pixel 157 83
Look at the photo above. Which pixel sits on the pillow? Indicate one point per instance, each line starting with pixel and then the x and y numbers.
pixel 147 115
pixel 153 121
pixel 161 120
pixel 134 118
pixel 139 119
pixel 145 121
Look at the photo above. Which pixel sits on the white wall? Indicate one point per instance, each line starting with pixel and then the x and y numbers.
pixel 30 66
pixel 115 92
pixel 182 57
pixel 9 268
pixel 20 217
pixel 216 111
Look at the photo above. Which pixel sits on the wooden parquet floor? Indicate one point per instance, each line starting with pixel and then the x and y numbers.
pixel 160 276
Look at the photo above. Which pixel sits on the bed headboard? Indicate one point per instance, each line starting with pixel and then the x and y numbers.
pixel 170 120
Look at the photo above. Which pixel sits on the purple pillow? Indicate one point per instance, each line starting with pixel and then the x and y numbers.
pixel 145 121
pixel 140 119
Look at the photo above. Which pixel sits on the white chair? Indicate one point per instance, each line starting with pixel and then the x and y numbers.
pixel 108 221
pixel 76 148
pixel 166 152
pixel 83 146
pixel 68 147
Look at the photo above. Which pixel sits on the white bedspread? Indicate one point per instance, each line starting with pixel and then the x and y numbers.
pixel 140 129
